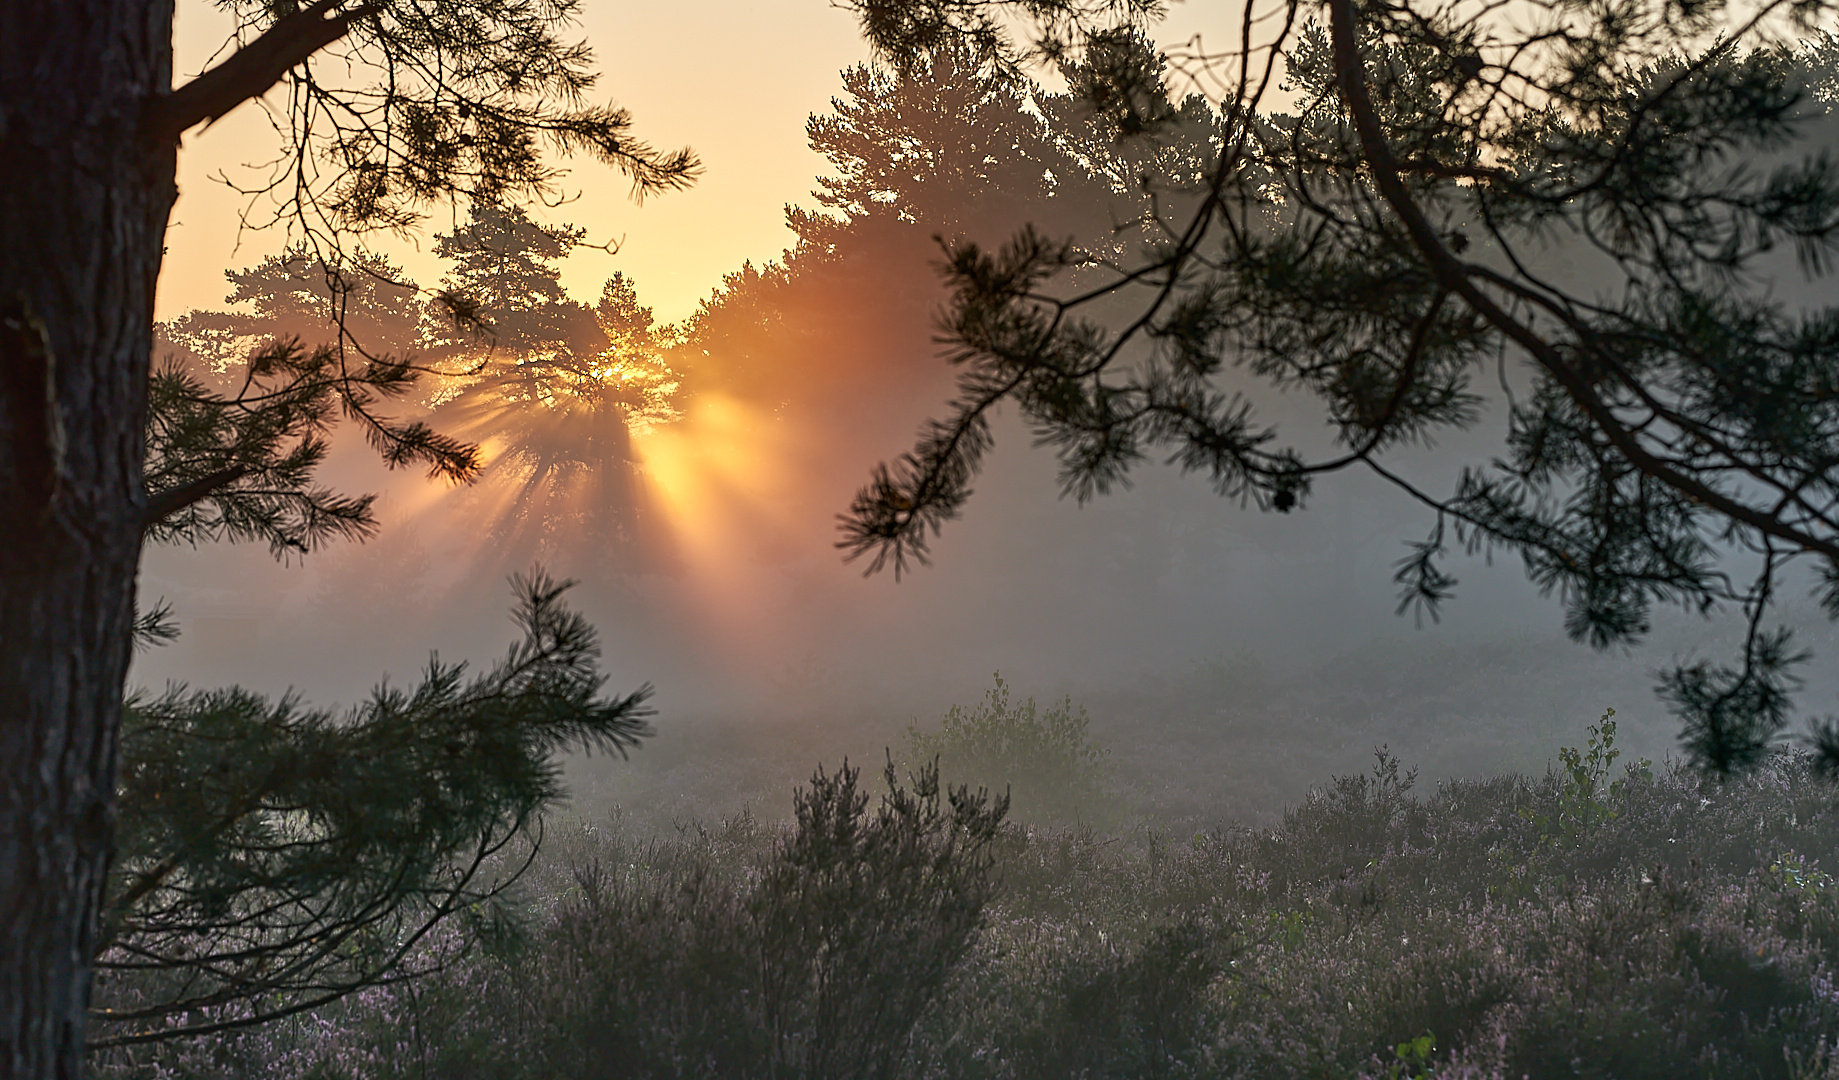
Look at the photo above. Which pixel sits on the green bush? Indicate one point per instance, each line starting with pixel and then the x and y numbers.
pixel 1044 757
pixel 814 959
pixel 1587 799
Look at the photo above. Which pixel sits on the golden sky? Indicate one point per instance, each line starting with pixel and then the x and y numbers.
pixel 734 80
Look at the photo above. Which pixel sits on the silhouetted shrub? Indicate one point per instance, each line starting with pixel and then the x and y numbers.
pixel 1573 926
pixel 815 960
pixel 1141 1012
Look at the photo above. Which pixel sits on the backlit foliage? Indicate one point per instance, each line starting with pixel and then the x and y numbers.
pixel 272 857
pixel 500 357
pixel 1588 206
pixel 555 388
pixel 426 102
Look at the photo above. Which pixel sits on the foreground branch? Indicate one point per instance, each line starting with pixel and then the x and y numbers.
pixel 252 69
pixel 167 503
pixel 1351 75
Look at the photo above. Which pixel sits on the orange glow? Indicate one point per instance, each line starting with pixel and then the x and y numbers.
pixel 722 475
pixel 677 67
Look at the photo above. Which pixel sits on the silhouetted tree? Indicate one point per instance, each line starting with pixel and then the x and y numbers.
pixel 556 385
pixel 834 338
pixel 427 102
pixel 360 302
pixel 1672 425
pixel 505 266
pixel 949 147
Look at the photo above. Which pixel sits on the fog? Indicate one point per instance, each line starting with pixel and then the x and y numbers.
pixel 1229 658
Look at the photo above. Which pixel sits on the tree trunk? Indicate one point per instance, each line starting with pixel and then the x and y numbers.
pixel 84 199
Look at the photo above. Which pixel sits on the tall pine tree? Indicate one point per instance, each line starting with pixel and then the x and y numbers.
pixel 429 102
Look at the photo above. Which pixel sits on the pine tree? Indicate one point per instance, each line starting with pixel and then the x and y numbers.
pixel 1670 431
pixel 386 108
pixel 945 150
pixel 366 303
pixel 505 267
pixel 951 149
pixel 557 385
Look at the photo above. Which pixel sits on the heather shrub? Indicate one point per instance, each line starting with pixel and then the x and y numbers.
pixel 1594 922
pixel 865 917
pixel 1044 757
pixel 1139 1012
pixel 1821 1063
pixel 1049 997
pixel 1379 934
pixel 1663 978
pixel 815 960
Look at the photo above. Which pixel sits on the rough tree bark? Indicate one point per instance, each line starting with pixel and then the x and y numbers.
pixel 84 198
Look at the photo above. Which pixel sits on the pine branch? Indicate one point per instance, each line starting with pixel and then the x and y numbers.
pixel 169 502
pixel 1350 70
pixel 276 857
pixel 252 69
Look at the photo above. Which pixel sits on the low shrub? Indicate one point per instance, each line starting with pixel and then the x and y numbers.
pixel 1661 926
pixel 1044 757
pixel 815 961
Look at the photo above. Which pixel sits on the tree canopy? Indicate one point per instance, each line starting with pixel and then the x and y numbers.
pixel 498 351
pixel 1385 244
